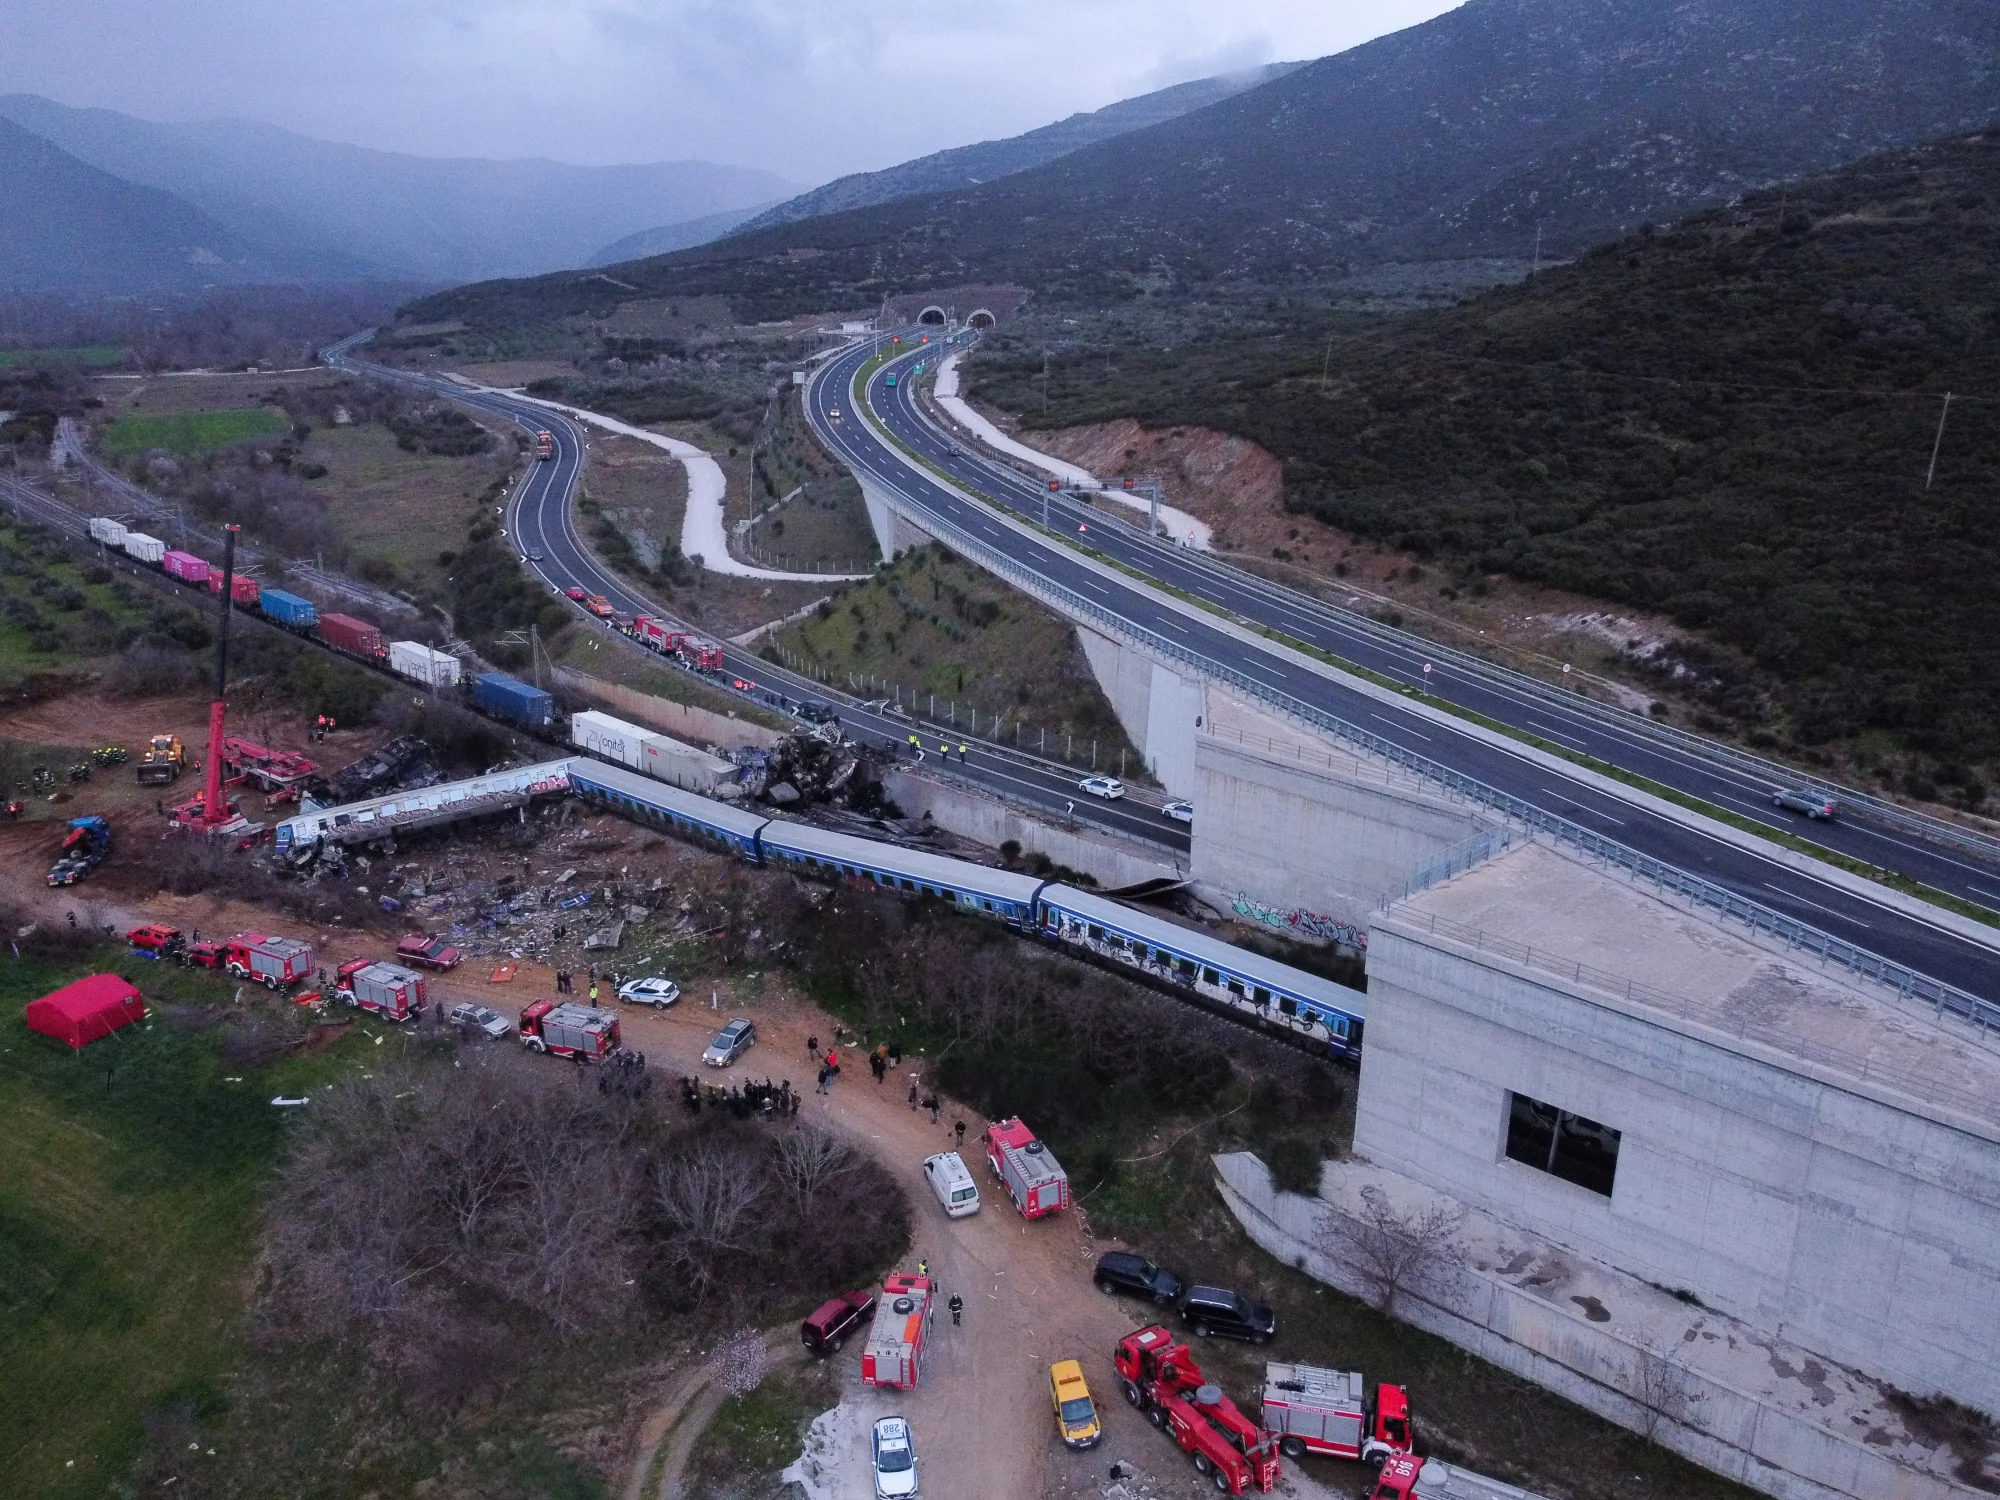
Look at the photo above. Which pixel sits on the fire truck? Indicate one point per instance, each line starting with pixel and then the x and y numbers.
pixel 1328 1412
pixel 900 1334
pixel 389 990
pixel 1160 1377
pixel 1029 1171
pixel 669 640
pixel 277 963
pixel 581 1032
pixel 1407 1477
pixel 545 444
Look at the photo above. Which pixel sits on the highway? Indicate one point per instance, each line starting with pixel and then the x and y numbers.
pixel 540 522
pixel 1918 943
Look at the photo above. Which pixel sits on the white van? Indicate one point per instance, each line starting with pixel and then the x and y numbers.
pixel 953 1185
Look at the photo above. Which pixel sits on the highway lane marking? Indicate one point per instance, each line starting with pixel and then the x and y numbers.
pixel 1399 724
pixel 1172 624
pixel 1583 806
pixel 1816 906
pixel 1990 896
pixel 1557 733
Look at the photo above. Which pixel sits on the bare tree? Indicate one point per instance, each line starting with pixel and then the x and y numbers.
pixel 1664 1388
pixel 808 1159
pixel 709 1197
pixel 1393 1250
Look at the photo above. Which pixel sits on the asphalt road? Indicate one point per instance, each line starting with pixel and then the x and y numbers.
pixel 1908 940
pixel 540 522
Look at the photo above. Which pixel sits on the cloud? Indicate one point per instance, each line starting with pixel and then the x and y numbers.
pixel 808 88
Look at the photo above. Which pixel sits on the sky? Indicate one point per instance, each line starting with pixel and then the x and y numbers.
pixel 811 89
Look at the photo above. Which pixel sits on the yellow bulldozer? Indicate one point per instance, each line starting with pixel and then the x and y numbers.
pixel 163 761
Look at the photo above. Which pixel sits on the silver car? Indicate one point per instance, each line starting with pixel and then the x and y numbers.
pixel 730 1043
pixel 1815 805
pixel 479 1018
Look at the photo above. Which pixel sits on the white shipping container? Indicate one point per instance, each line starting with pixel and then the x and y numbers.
pixel 419 663
pixel 111 533
pixel 666 759
pixel 611 738
pixel 144 548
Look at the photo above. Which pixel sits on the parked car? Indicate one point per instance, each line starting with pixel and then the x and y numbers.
pixel 730 1043
pixel 658 993
pixel 1121 1271
pixel 430 952
pixel 1213 1309
pixel 1110 788
pixel 1180 812
pixel 816 713
pixel 480 1018
pixel 894 1453
pixel 1076 1413
pixel 826 1328
pixel 1815 805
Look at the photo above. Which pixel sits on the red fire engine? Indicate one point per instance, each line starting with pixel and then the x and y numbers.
pixel 670 640
pixel 577 1031
pixel 1160 1377
pixel 545 444
pixel 1407 1477
pixel 277 963
pixel 901 1333
pixel 1328 1412
pixel 389 990
pixel 1029 1171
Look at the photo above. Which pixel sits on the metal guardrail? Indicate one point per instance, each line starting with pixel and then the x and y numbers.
pixel 1916 1085
pixel 1754 915
pixel 1456 860
pixel 1876 809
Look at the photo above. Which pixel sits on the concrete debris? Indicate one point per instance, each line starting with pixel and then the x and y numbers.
pixel 784 794
pixel 810 766
pixel 636 914
pixel 566 877
pixel 609 936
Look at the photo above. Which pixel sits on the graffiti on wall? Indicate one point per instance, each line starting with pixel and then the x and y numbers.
pixel 1302 923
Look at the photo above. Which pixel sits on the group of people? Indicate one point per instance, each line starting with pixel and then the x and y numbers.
pixel 323 727
pixel 566 983
pixel 764 1100
pixel 944 749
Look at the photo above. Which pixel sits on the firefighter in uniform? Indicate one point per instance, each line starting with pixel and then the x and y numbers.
pixel 957 1306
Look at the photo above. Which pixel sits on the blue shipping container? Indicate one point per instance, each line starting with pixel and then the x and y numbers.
pixel 511 698
pixel 288 609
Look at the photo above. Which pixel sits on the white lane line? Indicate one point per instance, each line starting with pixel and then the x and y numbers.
pixel 1399 724
pixel 1584 807
pixel 1989 895
pixel 1555 733
pixel 1172 624
pixel 1813 904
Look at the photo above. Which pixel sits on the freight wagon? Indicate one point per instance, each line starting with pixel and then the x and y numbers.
pixel 242 590
pixel 185 566
pixel 513 700
pixel 419 663
pixel 356 637
pixel 107 532
pixel 288 610
pixel 143 548
pixel 621 743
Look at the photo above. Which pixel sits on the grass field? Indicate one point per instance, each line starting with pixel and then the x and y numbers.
pixel 93 354
pixel 192 432
pixel 404 508
pixel 127 1219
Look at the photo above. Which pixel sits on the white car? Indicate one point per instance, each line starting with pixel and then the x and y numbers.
pixel 1110 788
pixel 492 1023
pixel 894 1453
pixel 658 993
pixel 1180 812
pixel 730 1043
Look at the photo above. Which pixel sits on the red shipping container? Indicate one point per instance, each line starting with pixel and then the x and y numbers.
pixel 350 634
pixel 242 590
pixel 185 566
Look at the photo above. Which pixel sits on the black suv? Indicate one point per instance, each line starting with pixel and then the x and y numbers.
pixel 1211 1309
pixel 1120 1272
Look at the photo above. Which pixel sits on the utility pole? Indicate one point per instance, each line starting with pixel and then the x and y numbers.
pixel 1937 443
pixel 1535 266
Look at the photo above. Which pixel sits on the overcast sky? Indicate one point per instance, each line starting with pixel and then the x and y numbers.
pixel 808 88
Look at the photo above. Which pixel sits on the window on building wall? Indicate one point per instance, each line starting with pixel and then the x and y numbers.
pixel 1562 1144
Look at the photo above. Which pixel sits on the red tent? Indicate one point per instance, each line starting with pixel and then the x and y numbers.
pixel 80 1013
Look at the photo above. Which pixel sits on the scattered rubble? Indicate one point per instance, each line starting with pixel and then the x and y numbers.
pixel 809 767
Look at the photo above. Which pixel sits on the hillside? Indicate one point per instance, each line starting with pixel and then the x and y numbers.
pixel 969 166
pixel 666 238
pixel 346 211
pixel 1729 421
pixel 1466 136
pixel 67 227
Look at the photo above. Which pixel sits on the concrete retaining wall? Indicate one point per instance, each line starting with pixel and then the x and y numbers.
pixel 698 726
pixel 986 820
pixel 1730 1431
pixel 1158 708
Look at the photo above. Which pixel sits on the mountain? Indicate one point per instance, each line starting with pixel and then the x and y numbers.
pixel 969 166
pixel 1469 135
pixel 1730 422
pixel 668 237
pixel 67 227
pixel 356 212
